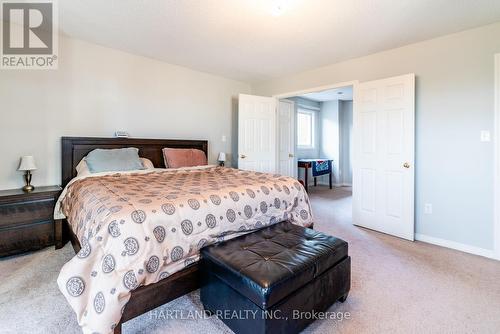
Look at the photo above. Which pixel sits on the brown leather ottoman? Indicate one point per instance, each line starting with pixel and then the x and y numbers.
pixel 264 282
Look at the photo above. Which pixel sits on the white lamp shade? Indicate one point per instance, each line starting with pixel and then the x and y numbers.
pixel 222 156
pixel 27 163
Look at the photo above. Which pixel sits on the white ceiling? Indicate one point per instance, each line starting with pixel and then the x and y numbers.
pixel 244 40
pixel 342 93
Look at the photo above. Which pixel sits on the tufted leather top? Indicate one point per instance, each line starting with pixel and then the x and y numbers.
pixel 269 264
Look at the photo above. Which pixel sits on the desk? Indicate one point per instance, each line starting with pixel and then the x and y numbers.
pixel 308 163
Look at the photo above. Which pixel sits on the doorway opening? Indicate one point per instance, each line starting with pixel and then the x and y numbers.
pixel 321 123
pixel 315 136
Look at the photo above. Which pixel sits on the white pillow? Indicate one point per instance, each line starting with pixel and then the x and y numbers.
pixel 147 163
pixel 82 169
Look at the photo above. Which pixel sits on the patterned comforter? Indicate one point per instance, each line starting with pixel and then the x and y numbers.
pixel 137 228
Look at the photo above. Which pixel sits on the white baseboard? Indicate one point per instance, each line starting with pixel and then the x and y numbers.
pixel 335 184
pixel 326 183
pixel 321 183
pixel 489 253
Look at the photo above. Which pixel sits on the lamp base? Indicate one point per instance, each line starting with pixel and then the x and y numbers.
pixel 28 188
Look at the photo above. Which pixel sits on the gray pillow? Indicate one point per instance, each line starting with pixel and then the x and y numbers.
pixel 121 159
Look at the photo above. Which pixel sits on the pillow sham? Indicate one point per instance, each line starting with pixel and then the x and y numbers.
pixel 110 160
pixel 82 168
pixel 183 157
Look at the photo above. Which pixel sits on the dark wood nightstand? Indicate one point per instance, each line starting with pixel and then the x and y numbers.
pixel 27 219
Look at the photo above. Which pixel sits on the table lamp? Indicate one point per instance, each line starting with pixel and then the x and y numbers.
pixel 221 158
pixel 27 164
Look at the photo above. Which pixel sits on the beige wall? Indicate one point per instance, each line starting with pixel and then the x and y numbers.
pixel 454 102
pixel 97 91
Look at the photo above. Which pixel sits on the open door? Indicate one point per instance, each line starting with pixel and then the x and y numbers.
pixel 257 133
pixel 286 138
pixel 383 155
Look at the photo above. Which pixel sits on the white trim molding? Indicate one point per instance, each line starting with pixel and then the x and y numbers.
pixel 496 156
pixel 456 246
pixel 326 183
pixel 316 89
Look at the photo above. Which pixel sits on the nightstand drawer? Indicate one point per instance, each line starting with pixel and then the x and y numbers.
pixel 24 212
pixel 26 237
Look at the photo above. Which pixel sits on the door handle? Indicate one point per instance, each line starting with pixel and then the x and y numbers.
pixel 290 155
pixel 406 165
pixel 243 156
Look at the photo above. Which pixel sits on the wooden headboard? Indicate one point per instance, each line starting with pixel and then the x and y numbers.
pixel 74 149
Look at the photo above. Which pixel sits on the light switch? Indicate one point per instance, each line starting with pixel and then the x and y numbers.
pixel 428 208
pixel 223 138
pixel 485 136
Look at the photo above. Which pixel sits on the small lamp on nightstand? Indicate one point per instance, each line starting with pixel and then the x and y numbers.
pixel 222 158
pixel 27 164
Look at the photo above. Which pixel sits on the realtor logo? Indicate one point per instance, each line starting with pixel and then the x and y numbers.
pixel 29 35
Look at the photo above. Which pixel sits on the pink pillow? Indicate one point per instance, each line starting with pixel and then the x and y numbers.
pixel 183 157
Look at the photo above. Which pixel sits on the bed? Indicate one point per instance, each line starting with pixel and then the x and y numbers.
pixel 147 297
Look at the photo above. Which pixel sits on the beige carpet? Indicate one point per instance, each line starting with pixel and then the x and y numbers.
pixel 397 287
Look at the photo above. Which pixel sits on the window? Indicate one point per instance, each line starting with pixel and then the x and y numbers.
pixel 305 129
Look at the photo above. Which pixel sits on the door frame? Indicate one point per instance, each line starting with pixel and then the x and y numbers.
pixel 496 155
pixel 353 83
pixel 282 96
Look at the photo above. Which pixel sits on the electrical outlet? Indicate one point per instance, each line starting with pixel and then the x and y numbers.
pixel 428 208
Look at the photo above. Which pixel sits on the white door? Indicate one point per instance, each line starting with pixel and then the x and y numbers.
pixel 383 161
pixel 286 138
pixel 257 133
